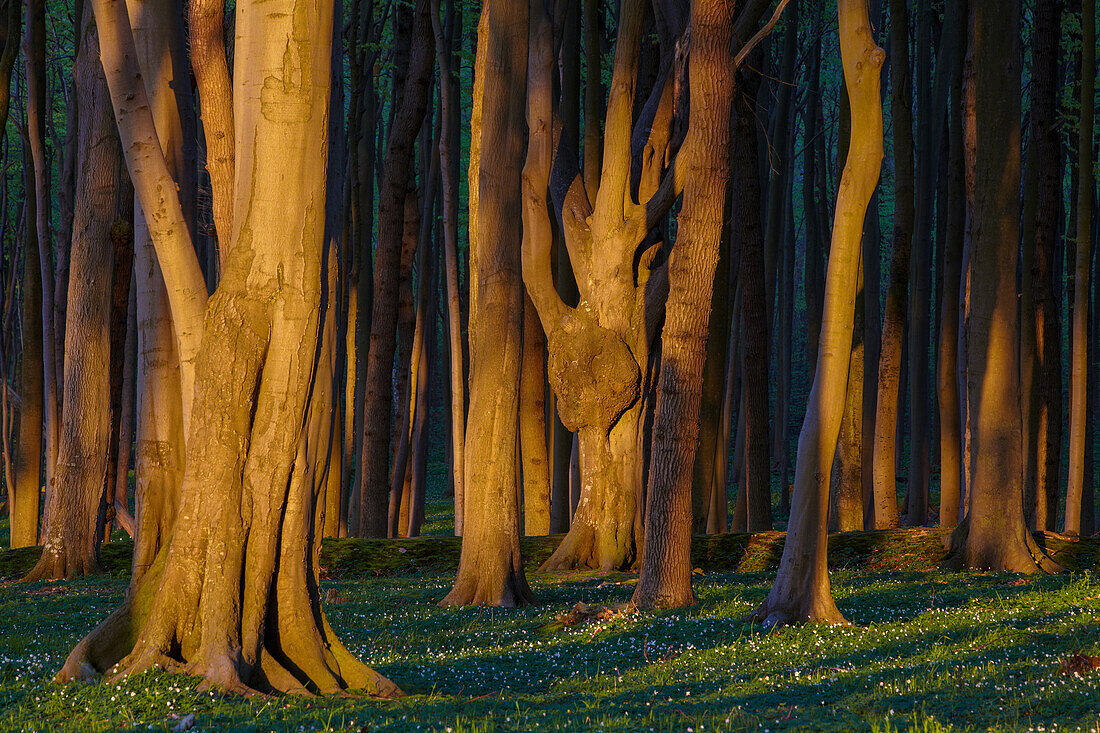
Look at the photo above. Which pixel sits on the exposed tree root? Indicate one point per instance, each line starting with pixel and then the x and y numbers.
pixel 1006 552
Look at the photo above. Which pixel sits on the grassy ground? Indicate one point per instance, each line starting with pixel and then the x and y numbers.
pixel 928 650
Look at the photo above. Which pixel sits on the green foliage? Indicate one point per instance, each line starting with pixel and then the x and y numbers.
pixel 928 651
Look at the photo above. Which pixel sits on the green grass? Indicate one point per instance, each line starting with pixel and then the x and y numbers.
pixel 928 650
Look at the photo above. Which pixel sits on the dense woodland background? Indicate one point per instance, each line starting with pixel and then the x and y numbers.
pixel 425 312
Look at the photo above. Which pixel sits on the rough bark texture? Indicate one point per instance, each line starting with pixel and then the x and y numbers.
pixel 490 569
pixel 993 535
pixel 71 540
pixel 234 598
pixel 801 592
pixel 665 579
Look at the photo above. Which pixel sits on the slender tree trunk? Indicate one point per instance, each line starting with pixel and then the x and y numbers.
pixel 409 115
pixel 532 426
pixel 1085 190
pixel 25 497
pixel 948 358
pixel 120 481
pixel 447 153
pixel 490 570
pixel 755 478
pixel 893 322
pixel 801 592
pixel 34 54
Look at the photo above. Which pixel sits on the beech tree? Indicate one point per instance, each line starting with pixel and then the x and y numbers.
pixel 490 567
pixel 234 596
pixel 993 535
pixel 801 591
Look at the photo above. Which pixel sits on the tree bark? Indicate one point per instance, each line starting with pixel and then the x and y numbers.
pixel 100 224
pixel 410 109
pixel 490 570
pixel 947 362
pixel 893 322
pixel 993 535
pixel 665 579
pixel 801 592
pixel 1085 190
pixel 235 595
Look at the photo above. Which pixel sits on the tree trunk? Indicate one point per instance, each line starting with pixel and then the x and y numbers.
pixel 25 497
pixel 410 110
pixel 532 425
pixel 948 360
pixel 665 579
pixel 893 322
pixel 448 108
pixel 100 225
pixel 755 478
pixel 34 54
pixel 1085 189
pixel 801 592
pixel 490 570
pixel 235 595
pixel 993 535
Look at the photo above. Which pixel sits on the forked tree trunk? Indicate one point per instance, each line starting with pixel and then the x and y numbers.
pixel 665 579
pixel 235 595
pixel 490 568
pixel 597 350
pixel 1085 188
pixel 893 321
pixel 99 224
pixel 993 535
pixel 801 592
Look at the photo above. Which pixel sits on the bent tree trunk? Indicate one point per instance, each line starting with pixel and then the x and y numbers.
pixel 71 547
pixel 993 535
pixel 234 598
pixel 490 567
pixel 801 592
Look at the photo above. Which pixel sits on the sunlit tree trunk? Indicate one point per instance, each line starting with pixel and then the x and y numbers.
pixel 1085 190
pixel 235 594
pixel 532 426
pixel 490 570
pixel 801 592
pixel 99 225
pixel 993 535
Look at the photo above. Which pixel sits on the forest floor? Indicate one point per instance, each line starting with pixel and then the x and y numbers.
pixel 927 650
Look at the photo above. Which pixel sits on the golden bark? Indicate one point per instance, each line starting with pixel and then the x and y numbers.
pixel 801 592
